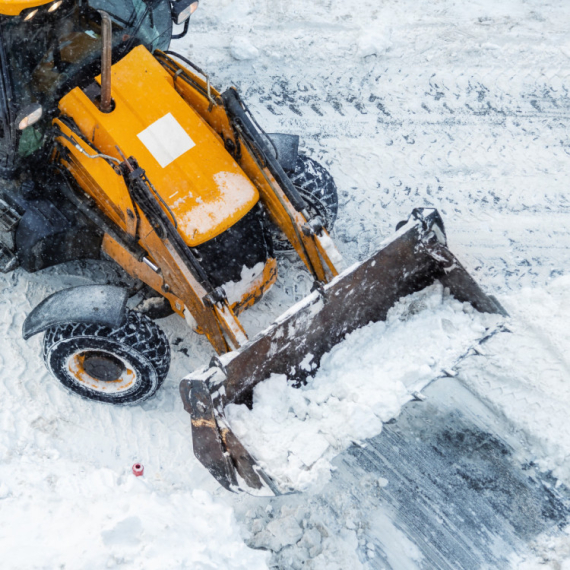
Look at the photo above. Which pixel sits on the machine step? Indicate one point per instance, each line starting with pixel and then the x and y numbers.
pixel 8 260
pixel 9 218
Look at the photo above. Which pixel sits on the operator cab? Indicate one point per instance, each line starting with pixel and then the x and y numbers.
pixel 50 48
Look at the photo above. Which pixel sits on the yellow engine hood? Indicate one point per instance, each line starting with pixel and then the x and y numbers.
pixel 184 159
pixel 14 7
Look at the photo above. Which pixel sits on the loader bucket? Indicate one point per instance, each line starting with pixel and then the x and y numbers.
pixel 411 260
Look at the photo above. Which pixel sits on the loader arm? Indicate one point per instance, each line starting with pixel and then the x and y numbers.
pixel 186 201
pixel 228 117
pixel 166 267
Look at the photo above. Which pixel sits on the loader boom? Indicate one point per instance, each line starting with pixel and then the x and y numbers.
pixel 228 117
pixel 159 208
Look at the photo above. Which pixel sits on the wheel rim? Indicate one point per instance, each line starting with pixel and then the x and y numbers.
pixel 101 371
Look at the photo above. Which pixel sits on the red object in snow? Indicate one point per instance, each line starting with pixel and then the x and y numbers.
pixel 138 469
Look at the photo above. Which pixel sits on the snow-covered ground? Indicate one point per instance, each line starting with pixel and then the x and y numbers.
pixel 463 106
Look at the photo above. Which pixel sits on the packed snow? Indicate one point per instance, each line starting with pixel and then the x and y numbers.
pixel 461 106
pixel 294 432
pixel 68 496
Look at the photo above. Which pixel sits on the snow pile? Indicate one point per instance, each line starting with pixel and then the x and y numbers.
pixel 242 49
pixel 68 497
pixel 526 375
pixel 69 517
pixel 373 41
pixel 360 384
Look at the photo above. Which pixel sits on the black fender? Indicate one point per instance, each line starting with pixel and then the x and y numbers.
pixel 91 304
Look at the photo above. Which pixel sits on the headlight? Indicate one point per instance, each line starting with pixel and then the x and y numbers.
pixel 55 6
pixel 183 9
pixel 30 15
pixel 29 115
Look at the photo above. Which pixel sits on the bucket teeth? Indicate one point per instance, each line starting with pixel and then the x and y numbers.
pixel 217 447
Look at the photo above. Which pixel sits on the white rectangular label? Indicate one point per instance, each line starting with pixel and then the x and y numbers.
pixel 166 140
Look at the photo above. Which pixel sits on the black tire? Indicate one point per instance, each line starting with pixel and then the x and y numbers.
pixel 138 349
pixel 317 187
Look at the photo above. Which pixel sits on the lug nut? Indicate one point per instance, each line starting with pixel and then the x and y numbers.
pixel 138 469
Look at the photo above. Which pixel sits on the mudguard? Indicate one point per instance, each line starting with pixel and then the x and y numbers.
pixel 92 304
pixel 411 260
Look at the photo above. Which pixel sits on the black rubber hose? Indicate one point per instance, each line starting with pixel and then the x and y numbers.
pixel 146 200
pixel 237 112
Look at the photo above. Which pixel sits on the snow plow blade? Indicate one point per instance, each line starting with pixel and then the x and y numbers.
pixel 411 260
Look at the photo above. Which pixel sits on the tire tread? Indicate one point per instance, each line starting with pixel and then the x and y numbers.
pixel 138 332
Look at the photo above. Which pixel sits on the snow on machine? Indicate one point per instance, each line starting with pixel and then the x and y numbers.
pixel 112 145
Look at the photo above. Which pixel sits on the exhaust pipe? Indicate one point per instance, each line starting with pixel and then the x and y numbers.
pixel 106 61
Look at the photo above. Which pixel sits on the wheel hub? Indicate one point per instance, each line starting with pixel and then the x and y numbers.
pixel 102 366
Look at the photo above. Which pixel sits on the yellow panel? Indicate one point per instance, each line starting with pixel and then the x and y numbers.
pixel 206 190
pixel 258 287
pixel 99 180
pixel 14 7
pixel 278 206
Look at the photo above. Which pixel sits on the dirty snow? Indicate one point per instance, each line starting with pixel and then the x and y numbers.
pixel 461 106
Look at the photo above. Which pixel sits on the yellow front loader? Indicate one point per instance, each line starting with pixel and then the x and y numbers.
pixel 114 146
